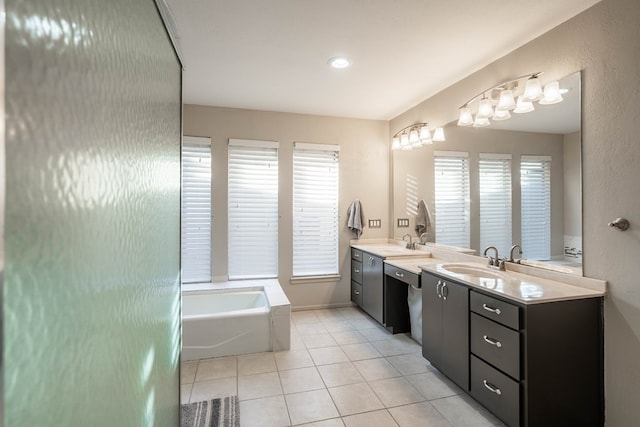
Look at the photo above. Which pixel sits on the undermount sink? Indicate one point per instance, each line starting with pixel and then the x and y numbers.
pixel 481 272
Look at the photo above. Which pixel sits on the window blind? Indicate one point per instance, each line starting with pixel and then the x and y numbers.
pixel 315 209
pixel 535 183
pixel 452 200
pixel 495 201
pixel 195 226
pixel 252 209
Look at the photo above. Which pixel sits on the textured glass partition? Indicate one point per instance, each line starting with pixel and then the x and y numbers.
pixel 91 295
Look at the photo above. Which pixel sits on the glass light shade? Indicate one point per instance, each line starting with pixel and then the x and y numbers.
pixel 485 109
pixel 404 140
pixel 413 137
pixel 532 90
pixel 481 122
pixel 425 135
pixel 506 102
pixel 416 144
pixel 395 143
pixel 466 118
pixel 438 135
pixel 551 94
pixel 407 147
pixel 501 115
pixel 523 106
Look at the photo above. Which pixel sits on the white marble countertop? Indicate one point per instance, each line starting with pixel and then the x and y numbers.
pixel 514 284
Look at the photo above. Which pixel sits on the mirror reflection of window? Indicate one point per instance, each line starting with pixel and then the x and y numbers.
pixel 535 190
pixel 452 199
pixel 495 201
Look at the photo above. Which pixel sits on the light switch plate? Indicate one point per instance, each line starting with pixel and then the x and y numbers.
pixel 403 222
pixel 375 223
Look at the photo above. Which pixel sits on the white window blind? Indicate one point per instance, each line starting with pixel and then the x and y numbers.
pixel 253 209
pixel 495 201
pixel 196 210
pixel 315 209
pixel 535 183
pixel 452 198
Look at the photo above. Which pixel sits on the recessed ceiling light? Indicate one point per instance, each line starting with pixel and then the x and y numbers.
pixel 339 62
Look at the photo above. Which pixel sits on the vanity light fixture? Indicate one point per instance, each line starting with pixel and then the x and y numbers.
pixel 499 101
pixel 416 136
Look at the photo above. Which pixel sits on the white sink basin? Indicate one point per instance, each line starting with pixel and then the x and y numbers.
pixel 481 272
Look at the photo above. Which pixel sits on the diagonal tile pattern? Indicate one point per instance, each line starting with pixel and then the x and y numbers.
pixel 343 369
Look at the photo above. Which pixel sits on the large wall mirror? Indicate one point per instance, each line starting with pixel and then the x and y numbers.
pixel 517 181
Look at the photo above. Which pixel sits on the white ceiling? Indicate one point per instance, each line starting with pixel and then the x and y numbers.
pixel 272 55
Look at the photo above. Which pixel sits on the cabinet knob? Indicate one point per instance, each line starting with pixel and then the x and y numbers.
pixel 491 387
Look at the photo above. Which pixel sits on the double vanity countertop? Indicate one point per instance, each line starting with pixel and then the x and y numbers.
pixel 522 284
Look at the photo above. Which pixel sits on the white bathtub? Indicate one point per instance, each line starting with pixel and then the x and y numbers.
pixel 225 322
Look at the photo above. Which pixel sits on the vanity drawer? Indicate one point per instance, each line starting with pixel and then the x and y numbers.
pixel 356 271
pixel 356 293
pixel 495 309
pixel 499 393
pixel 402 275
pixel 496 344
pixel 356 254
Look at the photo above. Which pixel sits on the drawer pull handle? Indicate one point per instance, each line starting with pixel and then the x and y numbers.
pixel 356 255
pixel 438 289
pixel 357 271
pixel 399 274
pixel 493 310
pixel 356 292
pixel 492 388
pixel 445 287
pixel 492 341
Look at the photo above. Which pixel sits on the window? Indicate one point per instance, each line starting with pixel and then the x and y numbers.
pixel 452 198
pixel 315 209
pixel 253 209
pixel 535 188
pixel 495 201
pixel 195 226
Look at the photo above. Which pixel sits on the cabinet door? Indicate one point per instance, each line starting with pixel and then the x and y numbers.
pixel 431 318
pixel 455 335
pixel 372 286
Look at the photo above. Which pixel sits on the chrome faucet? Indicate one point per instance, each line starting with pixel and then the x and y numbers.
pixel 496 262
pixel 511 254
pixel 411 244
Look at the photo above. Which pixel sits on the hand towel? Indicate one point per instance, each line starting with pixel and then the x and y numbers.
pixel 423 218
pixel 355 218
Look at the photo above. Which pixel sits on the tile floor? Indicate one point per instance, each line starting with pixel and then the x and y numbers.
pixel 343 369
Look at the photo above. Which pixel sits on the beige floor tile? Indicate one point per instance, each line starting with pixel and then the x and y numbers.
pixel 302 317
pixel 376 369
pixel 409 364
pixel 338 325
pixel 355 398
pixel 329 314
pixel 380 418
pixel 307 329
pixel 434 385
pixel 310 406
pixel 396 391
pixel 212 369
pixel 185 392
pixel 259 385
pixel 394 347
pixel 348 337
pixel 352 313
pixel 213 389
pixel 322 339
pixel 259 363
pixel 375 334
pixel 334 422
pixel 363 323
pixel 328 355
pixel 360 351
pixel 270 411
pixel 462 411
pixel 340 374
pixel 296 340
pixel 421 414
pixel 303 379
pixel 188 372
pixel 293 359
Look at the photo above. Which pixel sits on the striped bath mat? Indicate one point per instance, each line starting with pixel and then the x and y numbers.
pixel 211 413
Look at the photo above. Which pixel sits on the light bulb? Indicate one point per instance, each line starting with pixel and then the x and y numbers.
pixel 413 137
pixel 466 118
pixel 485 109
pixel 438 135
pixel 506 101
pixel 425 135
pixel 551 94
pixel 404 141
pixel 532 90
pixel 395 143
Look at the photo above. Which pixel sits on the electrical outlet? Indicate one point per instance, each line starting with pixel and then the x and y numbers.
pixel 375 223
pixel 403 222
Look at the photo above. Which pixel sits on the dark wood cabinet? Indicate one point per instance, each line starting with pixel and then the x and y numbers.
pixel 445 327
pixel 373 286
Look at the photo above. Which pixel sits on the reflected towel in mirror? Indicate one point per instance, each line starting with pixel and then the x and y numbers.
pixel 423 218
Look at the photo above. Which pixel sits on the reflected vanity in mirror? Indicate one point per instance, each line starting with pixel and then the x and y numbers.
pixel 516 181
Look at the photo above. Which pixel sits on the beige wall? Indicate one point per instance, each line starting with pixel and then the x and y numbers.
pixel 364 174
pixel 604 42
pixel 419 163
pixel 572 185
